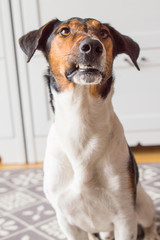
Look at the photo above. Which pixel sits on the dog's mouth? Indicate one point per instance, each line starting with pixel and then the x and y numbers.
pixel 84 74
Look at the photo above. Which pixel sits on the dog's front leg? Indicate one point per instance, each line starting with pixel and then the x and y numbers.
pixel 126 228
pixel 70 231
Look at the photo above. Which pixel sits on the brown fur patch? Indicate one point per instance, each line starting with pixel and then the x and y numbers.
pixel 93 24
pixel 76 25
pixel 109 52
pixel 95 90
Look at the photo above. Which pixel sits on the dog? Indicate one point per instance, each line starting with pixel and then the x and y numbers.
pixel 90 174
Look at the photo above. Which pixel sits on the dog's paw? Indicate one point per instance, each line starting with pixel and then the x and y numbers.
pixel 106 235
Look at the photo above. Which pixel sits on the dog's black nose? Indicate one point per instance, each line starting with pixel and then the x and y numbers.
pixel 91 47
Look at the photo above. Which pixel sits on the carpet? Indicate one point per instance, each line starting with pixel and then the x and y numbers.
pixel 25 214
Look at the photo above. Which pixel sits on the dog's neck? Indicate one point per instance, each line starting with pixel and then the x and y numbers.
pixel 84 124
pixel 77 106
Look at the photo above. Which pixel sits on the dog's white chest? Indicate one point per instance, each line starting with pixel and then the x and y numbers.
pixel 81 168
pixel 90 207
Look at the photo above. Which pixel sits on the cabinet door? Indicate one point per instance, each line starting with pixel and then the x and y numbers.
pixel 137 97
pixel 12 148
pixel 34 93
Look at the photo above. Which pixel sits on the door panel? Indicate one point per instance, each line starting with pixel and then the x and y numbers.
pixel 12 149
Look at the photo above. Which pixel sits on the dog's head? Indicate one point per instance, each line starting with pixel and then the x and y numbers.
pixel 79 51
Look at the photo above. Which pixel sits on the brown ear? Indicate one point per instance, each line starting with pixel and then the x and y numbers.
pixel 124 44
pixel 37 39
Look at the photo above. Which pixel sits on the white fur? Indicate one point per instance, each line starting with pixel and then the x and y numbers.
pixel 91 80
pixel 85 169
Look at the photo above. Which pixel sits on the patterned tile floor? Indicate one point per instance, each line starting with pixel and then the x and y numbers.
pixel 25 213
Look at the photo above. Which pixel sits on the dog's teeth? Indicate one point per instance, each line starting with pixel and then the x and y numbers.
pixel 82 66
pixel 85 66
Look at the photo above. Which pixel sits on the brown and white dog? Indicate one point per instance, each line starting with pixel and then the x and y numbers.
pixel 90 175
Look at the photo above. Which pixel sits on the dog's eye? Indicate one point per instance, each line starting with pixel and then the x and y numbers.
pixel 104 33
pixel 65 32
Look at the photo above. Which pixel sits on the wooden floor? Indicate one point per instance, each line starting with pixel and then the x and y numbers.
pixel 147 154
pixel 142 155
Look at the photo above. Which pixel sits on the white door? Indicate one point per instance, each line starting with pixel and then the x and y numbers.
pixel 12 149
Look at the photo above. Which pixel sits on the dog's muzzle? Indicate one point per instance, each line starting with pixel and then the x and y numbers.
pixel 87 67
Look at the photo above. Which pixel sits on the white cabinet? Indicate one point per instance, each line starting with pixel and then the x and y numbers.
pixel 12 149
pixel 137 95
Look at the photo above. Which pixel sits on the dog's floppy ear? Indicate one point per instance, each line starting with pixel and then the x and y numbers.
pixel 124 44
pixel 36 39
